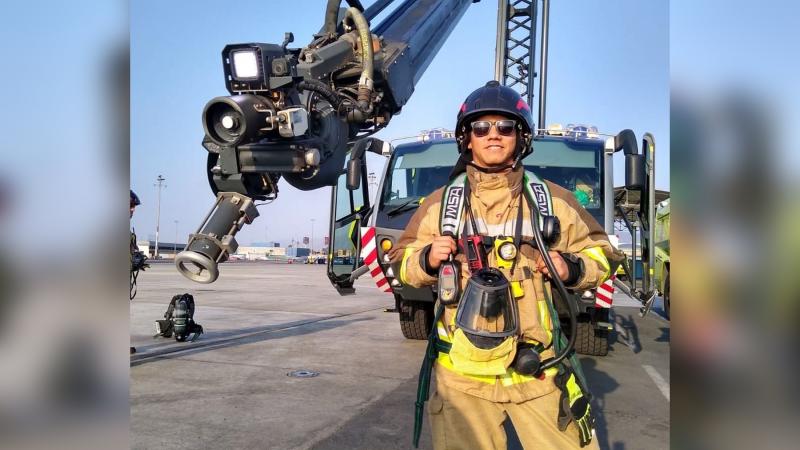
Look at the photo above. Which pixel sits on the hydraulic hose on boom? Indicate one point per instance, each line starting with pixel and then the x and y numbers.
pixel 294 113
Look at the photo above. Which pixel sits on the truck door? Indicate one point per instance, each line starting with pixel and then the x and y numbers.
pixel 350 209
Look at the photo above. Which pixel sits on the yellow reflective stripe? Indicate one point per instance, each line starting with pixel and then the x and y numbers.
pixel 406 254
pixel 442 331
pixel 596 253
pixel 573 389
pixel 544 319
pixel 444 360
pixel 511 378
pixel 351 229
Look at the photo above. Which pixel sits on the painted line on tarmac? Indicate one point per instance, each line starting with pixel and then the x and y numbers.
pixel 662 385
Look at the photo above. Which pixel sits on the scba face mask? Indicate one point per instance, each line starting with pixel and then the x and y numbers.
pixel 487 322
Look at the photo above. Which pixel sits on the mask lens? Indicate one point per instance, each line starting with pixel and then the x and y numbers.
pixel 505 127
pixel 481 128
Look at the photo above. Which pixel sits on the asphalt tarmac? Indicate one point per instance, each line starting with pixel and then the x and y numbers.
pixel 287 363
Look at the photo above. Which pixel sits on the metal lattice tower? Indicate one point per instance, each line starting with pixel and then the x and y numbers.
pixel 516 45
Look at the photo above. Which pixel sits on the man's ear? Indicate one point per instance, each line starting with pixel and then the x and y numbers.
pixel 469 145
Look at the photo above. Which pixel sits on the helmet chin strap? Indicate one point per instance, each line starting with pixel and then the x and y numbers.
pixel 496 169
pixel 464 160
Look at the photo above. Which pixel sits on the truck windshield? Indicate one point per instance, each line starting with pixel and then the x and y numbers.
pixel 414 171
pixel 573 164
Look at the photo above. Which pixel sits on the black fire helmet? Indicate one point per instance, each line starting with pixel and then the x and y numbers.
pixel 498 99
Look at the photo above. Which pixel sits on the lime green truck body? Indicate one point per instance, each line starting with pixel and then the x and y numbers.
pixel 661 241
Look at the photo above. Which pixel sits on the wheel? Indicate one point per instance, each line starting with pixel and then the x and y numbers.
pixel 666 295
pixel 591 341
pixel 416 319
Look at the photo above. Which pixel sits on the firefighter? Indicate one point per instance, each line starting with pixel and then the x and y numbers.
pixel 480 381
pixel 138 260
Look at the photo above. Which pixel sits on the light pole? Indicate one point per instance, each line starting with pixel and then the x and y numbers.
pixel 160 180
pixel 175 245
pixel 312 236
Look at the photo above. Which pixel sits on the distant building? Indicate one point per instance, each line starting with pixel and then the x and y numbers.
pixel 298 251
pixel 254 252
pixel 166 250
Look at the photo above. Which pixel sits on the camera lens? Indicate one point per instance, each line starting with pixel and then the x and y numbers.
pixel 234 120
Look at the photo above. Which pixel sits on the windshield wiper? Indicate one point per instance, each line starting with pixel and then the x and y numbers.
pixel 407 206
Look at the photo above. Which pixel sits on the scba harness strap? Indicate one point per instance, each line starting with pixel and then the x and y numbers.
pixel 452 208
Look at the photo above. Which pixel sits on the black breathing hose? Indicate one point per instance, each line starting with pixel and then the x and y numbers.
pixel 562 290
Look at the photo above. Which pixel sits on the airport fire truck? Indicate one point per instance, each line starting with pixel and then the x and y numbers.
pixel 307 115
pixel 575 157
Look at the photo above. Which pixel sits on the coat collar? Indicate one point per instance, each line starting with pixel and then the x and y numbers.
pixel 482 183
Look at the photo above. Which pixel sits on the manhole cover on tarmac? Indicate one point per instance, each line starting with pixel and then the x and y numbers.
pixel 302 374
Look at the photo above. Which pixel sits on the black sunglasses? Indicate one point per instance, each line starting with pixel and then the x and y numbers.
pixel 505 127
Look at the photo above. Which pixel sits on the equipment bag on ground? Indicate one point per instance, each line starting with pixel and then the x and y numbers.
pixel 179 319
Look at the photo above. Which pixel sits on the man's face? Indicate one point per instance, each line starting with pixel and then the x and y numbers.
pixel 133 207
pixel 494 149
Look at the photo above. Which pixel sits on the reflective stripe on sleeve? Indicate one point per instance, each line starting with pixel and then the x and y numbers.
pixel 596 253
pixel 403 264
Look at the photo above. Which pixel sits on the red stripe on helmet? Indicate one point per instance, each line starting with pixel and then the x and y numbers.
pixel 522 105
pixel 464 107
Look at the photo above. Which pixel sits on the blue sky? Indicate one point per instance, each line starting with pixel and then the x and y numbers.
pixel 609 67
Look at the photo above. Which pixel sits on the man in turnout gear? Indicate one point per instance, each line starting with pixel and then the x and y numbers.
pixel 477 385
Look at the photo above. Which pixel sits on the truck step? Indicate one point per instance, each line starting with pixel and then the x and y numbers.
pixel 603 326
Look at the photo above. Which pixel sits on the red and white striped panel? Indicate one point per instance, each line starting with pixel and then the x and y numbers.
pixel 369 251
pixel 604 295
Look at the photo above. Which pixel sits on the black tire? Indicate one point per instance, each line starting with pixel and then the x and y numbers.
pixel 416 319
pixel 666 295
pixel 590 341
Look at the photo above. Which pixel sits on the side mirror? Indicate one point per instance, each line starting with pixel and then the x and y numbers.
pixel 353 174
pixel 635 174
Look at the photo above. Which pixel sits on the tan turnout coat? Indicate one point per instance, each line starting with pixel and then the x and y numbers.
pixel 495 201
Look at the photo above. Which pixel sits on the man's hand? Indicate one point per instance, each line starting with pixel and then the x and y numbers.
pixel 558 262
pixel 441 248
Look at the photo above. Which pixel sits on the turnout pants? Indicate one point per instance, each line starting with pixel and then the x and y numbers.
pixel 463 421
